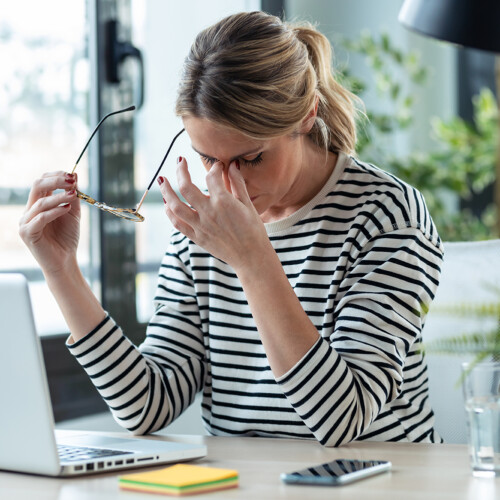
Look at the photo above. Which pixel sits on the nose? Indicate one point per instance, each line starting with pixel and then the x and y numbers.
pixel 223 164
pixel 227 163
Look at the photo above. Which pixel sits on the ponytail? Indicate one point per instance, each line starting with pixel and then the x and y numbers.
pixel 335 126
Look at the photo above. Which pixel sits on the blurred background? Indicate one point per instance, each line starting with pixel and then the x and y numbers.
pixel 432 111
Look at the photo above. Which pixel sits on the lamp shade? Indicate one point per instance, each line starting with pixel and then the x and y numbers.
pixel 471 23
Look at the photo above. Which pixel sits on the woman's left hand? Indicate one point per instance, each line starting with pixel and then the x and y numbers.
pixel 224 222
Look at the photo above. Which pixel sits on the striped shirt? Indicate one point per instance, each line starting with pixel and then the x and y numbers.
pixel 363 257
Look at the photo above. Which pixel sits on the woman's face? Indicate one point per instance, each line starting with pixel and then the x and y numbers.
pixel 272 168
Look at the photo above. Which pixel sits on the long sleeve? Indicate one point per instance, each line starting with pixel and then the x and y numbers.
pixel 148 387
pixel 342 384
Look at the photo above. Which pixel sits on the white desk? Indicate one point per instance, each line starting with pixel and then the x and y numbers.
pixel 420 471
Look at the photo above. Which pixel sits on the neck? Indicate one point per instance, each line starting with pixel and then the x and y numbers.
pixel 316 168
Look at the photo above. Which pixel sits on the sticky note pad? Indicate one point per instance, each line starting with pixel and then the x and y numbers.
pixel 181 479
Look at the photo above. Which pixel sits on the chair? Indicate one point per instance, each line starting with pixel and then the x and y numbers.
pixel 470 274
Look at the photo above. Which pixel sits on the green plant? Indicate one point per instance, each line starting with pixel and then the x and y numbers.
pixel 463 161
pixel 385 61
pixel 484 345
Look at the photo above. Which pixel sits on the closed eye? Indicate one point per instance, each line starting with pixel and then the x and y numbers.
pixel 254 161
pixel 208 160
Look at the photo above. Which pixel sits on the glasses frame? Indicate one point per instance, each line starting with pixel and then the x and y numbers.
pixel 129 214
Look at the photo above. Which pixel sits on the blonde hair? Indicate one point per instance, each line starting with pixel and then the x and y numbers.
pixel 261 76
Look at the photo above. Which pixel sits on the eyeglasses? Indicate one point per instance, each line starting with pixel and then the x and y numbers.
pixel 130 214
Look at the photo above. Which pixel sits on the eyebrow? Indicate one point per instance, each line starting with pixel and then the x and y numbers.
pixel 253 151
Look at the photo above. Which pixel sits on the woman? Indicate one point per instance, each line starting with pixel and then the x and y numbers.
pixel 293 293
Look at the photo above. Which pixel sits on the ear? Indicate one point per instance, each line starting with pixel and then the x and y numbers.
pixel 308 121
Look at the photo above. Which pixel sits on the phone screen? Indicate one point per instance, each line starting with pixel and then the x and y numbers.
pixel 337 472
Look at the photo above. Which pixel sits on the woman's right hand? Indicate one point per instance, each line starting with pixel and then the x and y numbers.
pixel 50 225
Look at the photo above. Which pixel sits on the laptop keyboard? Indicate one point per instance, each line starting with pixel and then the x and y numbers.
pixel 79 453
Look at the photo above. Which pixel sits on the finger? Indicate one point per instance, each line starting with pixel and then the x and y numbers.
pixel 215 180
pixel 178 211
pixel 225 178
pixel 238 184
pixel 59 174
pixel 180 225
pixel 188 190
pixel 47 203
pixel 29 230
pixel 48 183
pixel 175 216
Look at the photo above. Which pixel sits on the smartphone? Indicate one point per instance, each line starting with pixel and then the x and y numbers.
pixel 337 472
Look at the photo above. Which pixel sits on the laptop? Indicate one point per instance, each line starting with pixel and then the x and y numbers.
pixel 28 440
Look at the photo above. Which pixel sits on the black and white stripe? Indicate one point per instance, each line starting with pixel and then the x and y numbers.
pixel 363 258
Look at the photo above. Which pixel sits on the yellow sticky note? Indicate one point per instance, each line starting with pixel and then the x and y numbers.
pixel 181 479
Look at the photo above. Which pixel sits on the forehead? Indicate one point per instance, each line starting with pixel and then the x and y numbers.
pixel 217 141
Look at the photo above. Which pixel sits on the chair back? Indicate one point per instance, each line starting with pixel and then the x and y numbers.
pixel 470 281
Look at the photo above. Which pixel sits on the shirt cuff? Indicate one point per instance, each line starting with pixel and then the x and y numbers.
pixel 305 367
pixel 93 339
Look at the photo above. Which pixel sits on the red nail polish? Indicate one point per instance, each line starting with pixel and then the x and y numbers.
pixel 160 180
pixel 179 159
pixel 73 191
pixel 69 178
pixel 164 201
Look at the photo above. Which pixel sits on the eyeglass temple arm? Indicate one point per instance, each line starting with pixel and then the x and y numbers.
pixel 158 171
pixel 130 108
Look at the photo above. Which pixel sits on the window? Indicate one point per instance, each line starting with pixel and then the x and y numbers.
pixel 44 92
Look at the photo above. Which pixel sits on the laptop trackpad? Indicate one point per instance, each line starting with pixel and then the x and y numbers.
pixel 89 440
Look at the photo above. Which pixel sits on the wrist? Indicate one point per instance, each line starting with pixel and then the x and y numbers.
pixel 260 267
pixel 67 275
pixel 251 263
pixel 79 306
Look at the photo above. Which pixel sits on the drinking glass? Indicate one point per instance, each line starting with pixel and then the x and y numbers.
pixel 482 404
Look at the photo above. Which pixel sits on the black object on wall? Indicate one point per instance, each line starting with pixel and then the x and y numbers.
pixel 115 53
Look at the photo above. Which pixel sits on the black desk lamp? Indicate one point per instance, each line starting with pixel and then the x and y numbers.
pixel 471 23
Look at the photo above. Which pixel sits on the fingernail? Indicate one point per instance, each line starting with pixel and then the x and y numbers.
pixel 179 159
pixel 72 192
pixel 237 162
pixel 64 205
pixel 160 180
pixel 70 178
pixel 164 201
